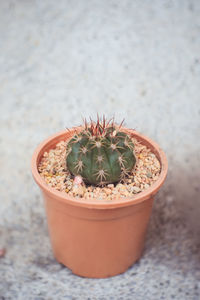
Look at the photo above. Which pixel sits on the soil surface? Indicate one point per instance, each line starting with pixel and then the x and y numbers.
pixel 54 171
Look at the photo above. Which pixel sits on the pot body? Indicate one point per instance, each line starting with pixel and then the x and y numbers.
pixel 97 238
pixel 97 242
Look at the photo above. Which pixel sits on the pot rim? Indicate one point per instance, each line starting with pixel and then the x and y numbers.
pixel 100 204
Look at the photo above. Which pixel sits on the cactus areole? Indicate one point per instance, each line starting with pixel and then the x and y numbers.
pixel 101 153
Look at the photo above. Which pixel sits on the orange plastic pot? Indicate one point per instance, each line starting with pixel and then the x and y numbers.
pixel 97 238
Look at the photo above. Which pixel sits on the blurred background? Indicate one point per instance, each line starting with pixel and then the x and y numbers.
pixel 64 60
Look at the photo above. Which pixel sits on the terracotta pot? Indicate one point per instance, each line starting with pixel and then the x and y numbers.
pixel 97 238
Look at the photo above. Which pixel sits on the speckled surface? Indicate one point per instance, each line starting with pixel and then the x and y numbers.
pixel 135 59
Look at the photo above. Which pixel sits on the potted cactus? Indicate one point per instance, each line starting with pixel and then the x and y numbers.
pixel 94 235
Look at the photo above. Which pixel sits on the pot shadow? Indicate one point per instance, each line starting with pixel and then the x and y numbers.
pixel 174 229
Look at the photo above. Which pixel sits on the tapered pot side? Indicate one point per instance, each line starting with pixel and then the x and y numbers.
pixel 97 238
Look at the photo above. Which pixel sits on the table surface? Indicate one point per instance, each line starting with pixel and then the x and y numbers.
pixel 61 60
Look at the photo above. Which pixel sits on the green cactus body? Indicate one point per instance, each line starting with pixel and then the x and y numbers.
pixel 101 154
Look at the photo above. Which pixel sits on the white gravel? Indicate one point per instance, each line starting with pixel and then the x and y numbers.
pixel 54 171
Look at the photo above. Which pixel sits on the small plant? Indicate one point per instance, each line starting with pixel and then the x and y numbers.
pixel 101 153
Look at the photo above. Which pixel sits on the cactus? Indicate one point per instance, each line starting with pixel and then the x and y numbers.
pixel 101 153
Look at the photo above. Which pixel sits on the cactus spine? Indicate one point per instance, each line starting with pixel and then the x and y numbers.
pixel 101 153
